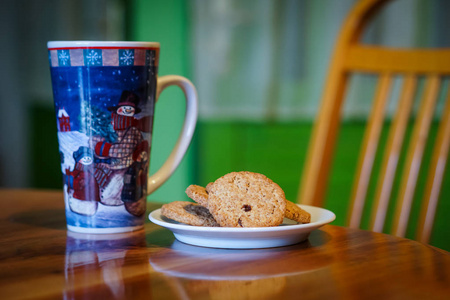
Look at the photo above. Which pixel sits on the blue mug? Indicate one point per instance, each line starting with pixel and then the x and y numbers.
pixel 104 95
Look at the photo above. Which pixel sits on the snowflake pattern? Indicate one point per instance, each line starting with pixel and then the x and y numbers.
pixel 63 58
pixel 126 57
pixel 92 57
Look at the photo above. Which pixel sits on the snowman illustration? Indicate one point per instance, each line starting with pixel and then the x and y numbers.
pixel 82 186
pixel 120 156
pixel 134 189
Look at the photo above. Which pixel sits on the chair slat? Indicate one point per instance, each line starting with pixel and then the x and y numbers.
pixel 435 176
pixel 414 155
pixel 392 153
pixel 351 56
pixel 369 149
pixel 321 147
pixel 320 150
pixel 378 59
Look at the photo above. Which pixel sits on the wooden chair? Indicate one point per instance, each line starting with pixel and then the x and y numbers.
pixel 351 57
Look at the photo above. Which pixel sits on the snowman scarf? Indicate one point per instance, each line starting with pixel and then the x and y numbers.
pixel 120 122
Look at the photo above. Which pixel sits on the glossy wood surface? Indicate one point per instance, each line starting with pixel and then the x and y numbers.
pixel 40 259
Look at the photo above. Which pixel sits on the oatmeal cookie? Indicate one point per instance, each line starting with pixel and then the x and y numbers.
pixel 208 187
pixel 198 194
pixel 246 199
pixel 188 213
pixel 294 212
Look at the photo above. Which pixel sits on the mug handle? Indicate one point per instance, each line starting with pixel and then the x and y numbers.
pixel 190 120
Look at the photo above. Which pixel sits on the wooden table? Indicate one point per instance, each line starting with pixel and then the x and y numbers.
pixel 40 259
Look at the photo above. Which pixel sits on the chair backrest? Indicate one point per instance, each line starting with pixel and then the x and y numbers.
pixel 351 56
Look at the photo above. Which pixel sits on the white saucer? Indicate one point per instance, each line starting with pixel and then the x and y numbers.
pixel 288 233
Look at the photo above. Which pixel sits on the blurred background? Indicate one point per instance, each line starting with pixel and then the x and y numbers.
pixel 259 67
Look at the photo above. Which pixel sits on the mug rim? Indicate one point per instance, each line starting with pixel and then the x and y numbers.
pixel 52 45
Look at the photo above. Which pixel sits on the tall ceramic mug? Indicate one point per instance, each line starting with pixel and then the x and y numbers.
pixel 104 95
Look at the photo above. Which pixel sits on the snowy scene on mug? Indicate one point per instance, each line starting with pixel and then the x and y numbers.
pixel 104 118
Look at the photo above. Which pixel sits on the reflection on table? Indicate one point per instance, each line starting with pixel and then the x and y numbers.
pixel 41 259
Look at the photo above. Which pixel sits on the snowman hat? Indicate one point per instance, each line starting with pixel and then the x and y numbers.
pixel 83 152
pixel 127 98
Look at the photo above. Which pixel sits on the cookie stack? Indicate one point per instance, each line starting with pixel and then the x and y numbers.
pixel 237 199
